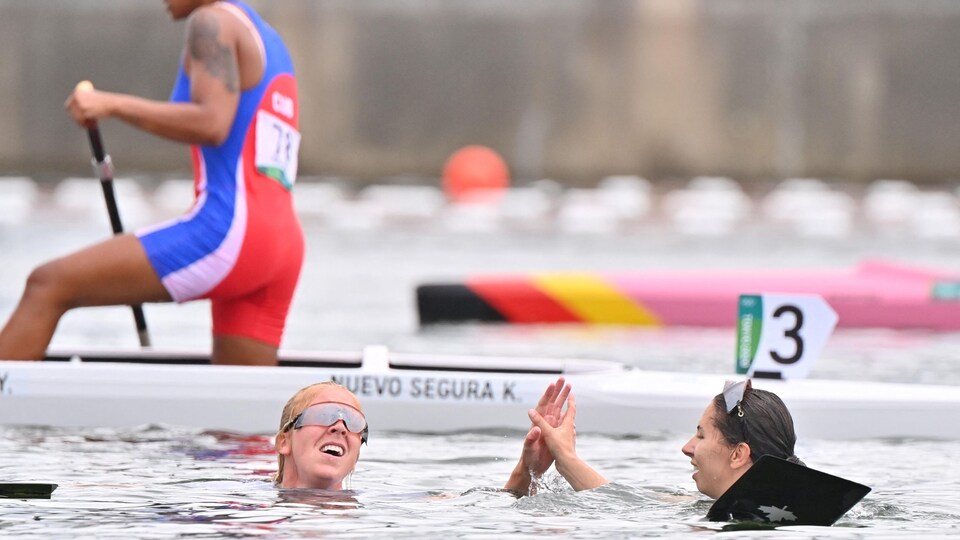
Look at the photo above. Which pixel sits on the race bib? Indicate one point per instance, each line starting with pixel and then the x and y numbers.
pixel 278 145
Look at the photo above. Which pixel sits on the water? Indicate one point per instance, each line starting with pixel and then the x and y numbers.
pixel 163 482
pixel 168 481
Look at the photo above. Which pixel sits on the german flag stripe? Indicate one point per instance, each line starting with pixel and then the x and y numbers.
pixel 533 298
pixel 453 303
pixel 594 300
pixel 521 301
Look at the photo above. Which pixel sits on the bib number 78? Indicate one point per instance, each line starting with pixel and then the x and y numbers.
pixel 278 148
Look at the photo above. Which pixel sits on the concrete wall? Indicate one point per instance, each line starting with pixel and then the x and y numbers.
pixel 569 89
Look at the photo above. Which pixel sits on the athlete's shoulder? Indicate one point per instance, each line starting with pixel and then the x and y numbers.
pixel 219 19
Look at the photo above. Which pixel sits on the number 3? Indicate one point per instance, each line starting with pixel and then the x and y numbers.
pixel 791 333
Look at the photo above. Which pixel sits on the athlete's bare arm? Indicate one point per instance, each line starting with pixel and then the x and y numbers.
pixel 218 60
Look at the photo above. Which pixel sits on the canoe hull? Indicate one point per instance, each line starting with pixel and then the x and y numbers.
pixel 874 294
pixel 450 395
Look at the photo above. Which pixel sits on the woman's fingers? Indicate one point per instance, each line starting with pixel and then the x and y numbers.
pixel 562 397
pixel 551 402
pixel 538 420
pixel 557 389
pixel 570 415
pixel 549 396
pixel 559 439
pixel 532 437
pixel 545 399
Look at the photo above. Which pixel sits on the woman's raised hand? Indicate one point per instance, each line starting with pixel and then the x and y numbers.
pixel 536 458
pixel 561 442
pixel 537 455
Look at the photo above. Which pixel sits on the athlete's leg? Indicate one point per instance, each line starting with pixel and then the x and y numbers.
pixel 113 272
pixel 248 329
pixel 239 350
pixel 249 307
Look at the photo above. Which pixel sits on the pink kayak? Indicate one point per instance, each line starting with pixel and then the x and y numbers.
pixel 873 294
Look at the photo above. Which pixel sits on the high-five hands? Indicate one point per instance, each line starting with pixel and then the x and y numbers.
pixel 537 454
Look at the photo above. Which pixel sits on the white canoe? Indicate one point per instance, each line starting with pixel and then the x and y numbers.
pixel 434 394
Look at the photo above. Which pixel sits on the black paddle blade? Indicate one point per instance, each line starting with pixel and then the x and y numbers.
pixel 778 492
pixel 26 491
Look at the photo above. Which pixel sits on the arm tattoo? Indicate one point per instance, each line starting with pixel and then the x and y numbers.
pixel 205 47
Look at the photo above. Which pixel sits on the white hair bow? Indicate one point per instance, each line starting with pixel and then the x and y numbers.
pixel 733 395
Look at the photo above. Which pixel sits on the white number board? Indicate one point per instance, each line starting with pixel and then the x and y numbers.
pixel 781 335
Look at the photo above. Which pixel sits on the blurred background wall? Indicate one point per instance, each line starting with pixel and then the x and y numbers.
pixel 567 89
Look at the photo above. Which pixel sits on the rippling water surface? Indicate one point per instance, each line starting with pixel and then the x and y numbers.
pixel 160 482
pixel 168 481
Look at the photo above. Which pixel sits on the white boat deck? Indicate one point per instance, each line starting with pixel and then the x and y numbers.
pixel 425 393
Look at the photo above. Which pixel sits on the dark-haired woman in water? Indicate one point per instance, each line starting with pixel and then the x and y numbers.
pixel 739 425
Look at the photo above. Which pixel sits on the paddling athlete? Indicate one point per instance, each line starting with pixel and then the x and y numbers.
pixel 318 442
pixel 241 244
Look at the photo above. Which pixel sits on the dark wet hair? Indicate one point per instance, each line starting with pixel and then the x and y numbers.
pixel 765 425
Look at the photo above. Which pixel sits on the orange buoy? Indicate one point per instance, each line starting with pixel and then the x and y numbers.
pixel 475 174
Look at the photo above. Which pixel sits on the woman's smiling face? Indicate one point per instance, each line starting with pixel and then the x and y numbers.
pixel 711 457
pixel 322 456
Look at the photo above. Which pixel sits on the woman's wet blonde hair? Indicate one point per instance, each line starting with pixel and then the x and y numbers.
pixel 295 405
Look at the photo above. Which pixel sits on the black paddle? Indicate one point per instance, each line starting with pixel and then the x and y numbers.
pixel 103 165
pixel 26 491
